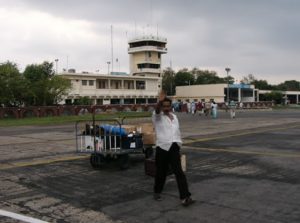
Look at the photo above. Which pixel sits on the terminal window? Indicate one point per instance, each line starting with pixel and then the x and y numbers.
pixel 141 85
pixel 129 84
pixel 84 82
pixel 115 84
pixel 102 84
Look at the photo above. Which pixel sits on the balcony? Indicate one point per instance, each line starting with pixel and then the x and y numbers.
pixel 148 70
pixel 147 48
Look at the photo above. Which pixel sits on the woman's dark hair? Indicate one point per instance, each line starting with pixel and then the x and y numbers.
pixel 167 99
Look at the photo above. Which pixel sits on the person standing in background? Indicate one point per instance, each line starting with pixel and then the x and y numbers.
pixel 232 107
pixel 193 107
pixel 214 109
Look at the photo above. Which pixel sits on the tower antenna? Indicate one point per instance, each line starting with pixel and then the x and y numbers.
pixel 112 50
pixel 151 14
pixel 67 62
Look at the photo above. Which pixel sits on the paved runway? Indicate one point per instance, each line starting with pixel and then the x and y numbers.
pixel 239 170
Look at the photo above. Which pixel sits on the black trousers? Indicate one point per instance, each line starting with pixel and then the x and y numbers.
pixel 165 158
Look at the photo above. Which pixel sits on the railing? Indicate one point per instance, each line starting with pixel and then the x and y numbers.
pixel 149 48
pixel 65 110
pixel 149 37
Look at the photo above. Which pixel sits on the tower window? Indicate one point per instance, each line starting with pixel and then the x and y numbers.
pixel 159 55
pixel 148 65
pixel 149 54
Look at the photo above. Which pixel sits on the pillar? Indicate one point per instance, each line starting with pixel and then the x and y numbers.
pixel 239 94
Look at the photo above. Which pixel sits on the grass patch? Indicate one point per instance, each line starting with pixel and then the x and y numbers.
pixel 55 120
pixel 293 106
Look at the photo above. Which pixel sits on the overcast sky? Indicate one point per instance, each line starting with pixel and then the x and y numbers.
pixel 259 37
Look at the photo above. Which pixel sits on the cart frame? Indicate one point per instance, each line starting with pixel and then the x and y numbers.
pixel 104 147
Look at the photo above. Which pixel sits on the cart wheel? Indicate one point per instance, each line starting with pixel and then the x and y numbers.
pixel 96 160
pixel 148 152
pixel 108 158
pixel 123 161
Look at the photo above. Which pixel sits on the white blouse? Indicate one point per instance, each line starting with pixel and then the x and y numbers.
pixel 167 130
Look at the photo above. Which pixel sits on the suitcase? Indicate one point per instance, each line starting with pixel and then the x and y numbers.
pixel 150 167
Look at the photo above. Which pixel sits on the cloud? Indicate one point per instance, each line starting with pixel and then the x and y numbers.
pixel 259 36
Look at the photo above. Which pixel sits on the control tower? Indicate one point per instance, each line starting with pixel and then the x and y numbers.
pixel 145 55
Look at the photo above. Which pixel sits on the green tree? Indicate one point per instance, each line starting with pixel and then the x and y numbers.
pixel 57 89
pixel 208 77
pixel 274 96
pixel 183 77
pixel 13 87
pixel 291 85
pixel 229 78
pixel 261 84
pixel 168 81
pixel 83 101
pixel 249 79
pixel 45 88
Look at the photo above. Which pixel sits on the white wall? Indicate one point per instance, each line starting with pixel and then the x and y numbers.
pixel 207 92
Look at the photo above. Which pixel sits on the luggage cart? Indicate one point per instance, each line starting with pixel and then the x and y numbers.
pixel 148 145
pixel 106 140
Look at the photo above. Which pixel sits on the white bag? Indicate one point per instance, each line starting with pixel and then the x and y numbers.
pixel 183 162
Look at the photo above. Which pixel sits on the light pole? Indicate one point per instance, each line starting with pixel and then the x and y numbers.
pixel 227 69
pixel 108 63
pixel 56 61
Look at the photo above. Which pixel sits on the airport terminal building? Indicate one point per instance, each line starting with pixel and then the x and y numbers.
pixel 217 92
pixel 289 97
pixel 144 82
pixel 141 86
pixel 237 92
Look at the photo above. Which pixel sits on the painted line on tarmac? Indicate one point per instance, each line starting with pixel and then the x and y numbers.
pixel 39 140
pixel 40 162
pixel 238 134
pixel 232 150
pixel 20 217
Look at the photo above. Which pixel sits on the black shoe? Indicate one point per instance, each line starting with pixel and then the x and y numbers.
pixel 187 201
pixel 157 197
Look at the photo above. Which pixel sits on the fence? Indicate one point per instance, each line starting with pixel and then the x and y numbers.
pixel 61 110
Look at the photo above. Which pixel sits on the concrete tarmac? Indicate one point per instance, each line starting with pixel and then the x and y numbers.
pixel 239 170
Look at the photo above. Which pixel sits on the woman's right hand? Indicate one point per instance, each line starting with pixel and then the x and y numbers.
pixel 162 96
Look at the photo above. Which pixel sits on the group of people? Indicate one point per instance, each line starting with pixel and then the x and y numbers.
pixel 202 107
pixel 206 108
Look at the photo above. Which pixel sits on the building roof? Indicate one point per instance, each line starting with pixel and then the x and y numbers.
pixel 103 76
pixel 148 38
